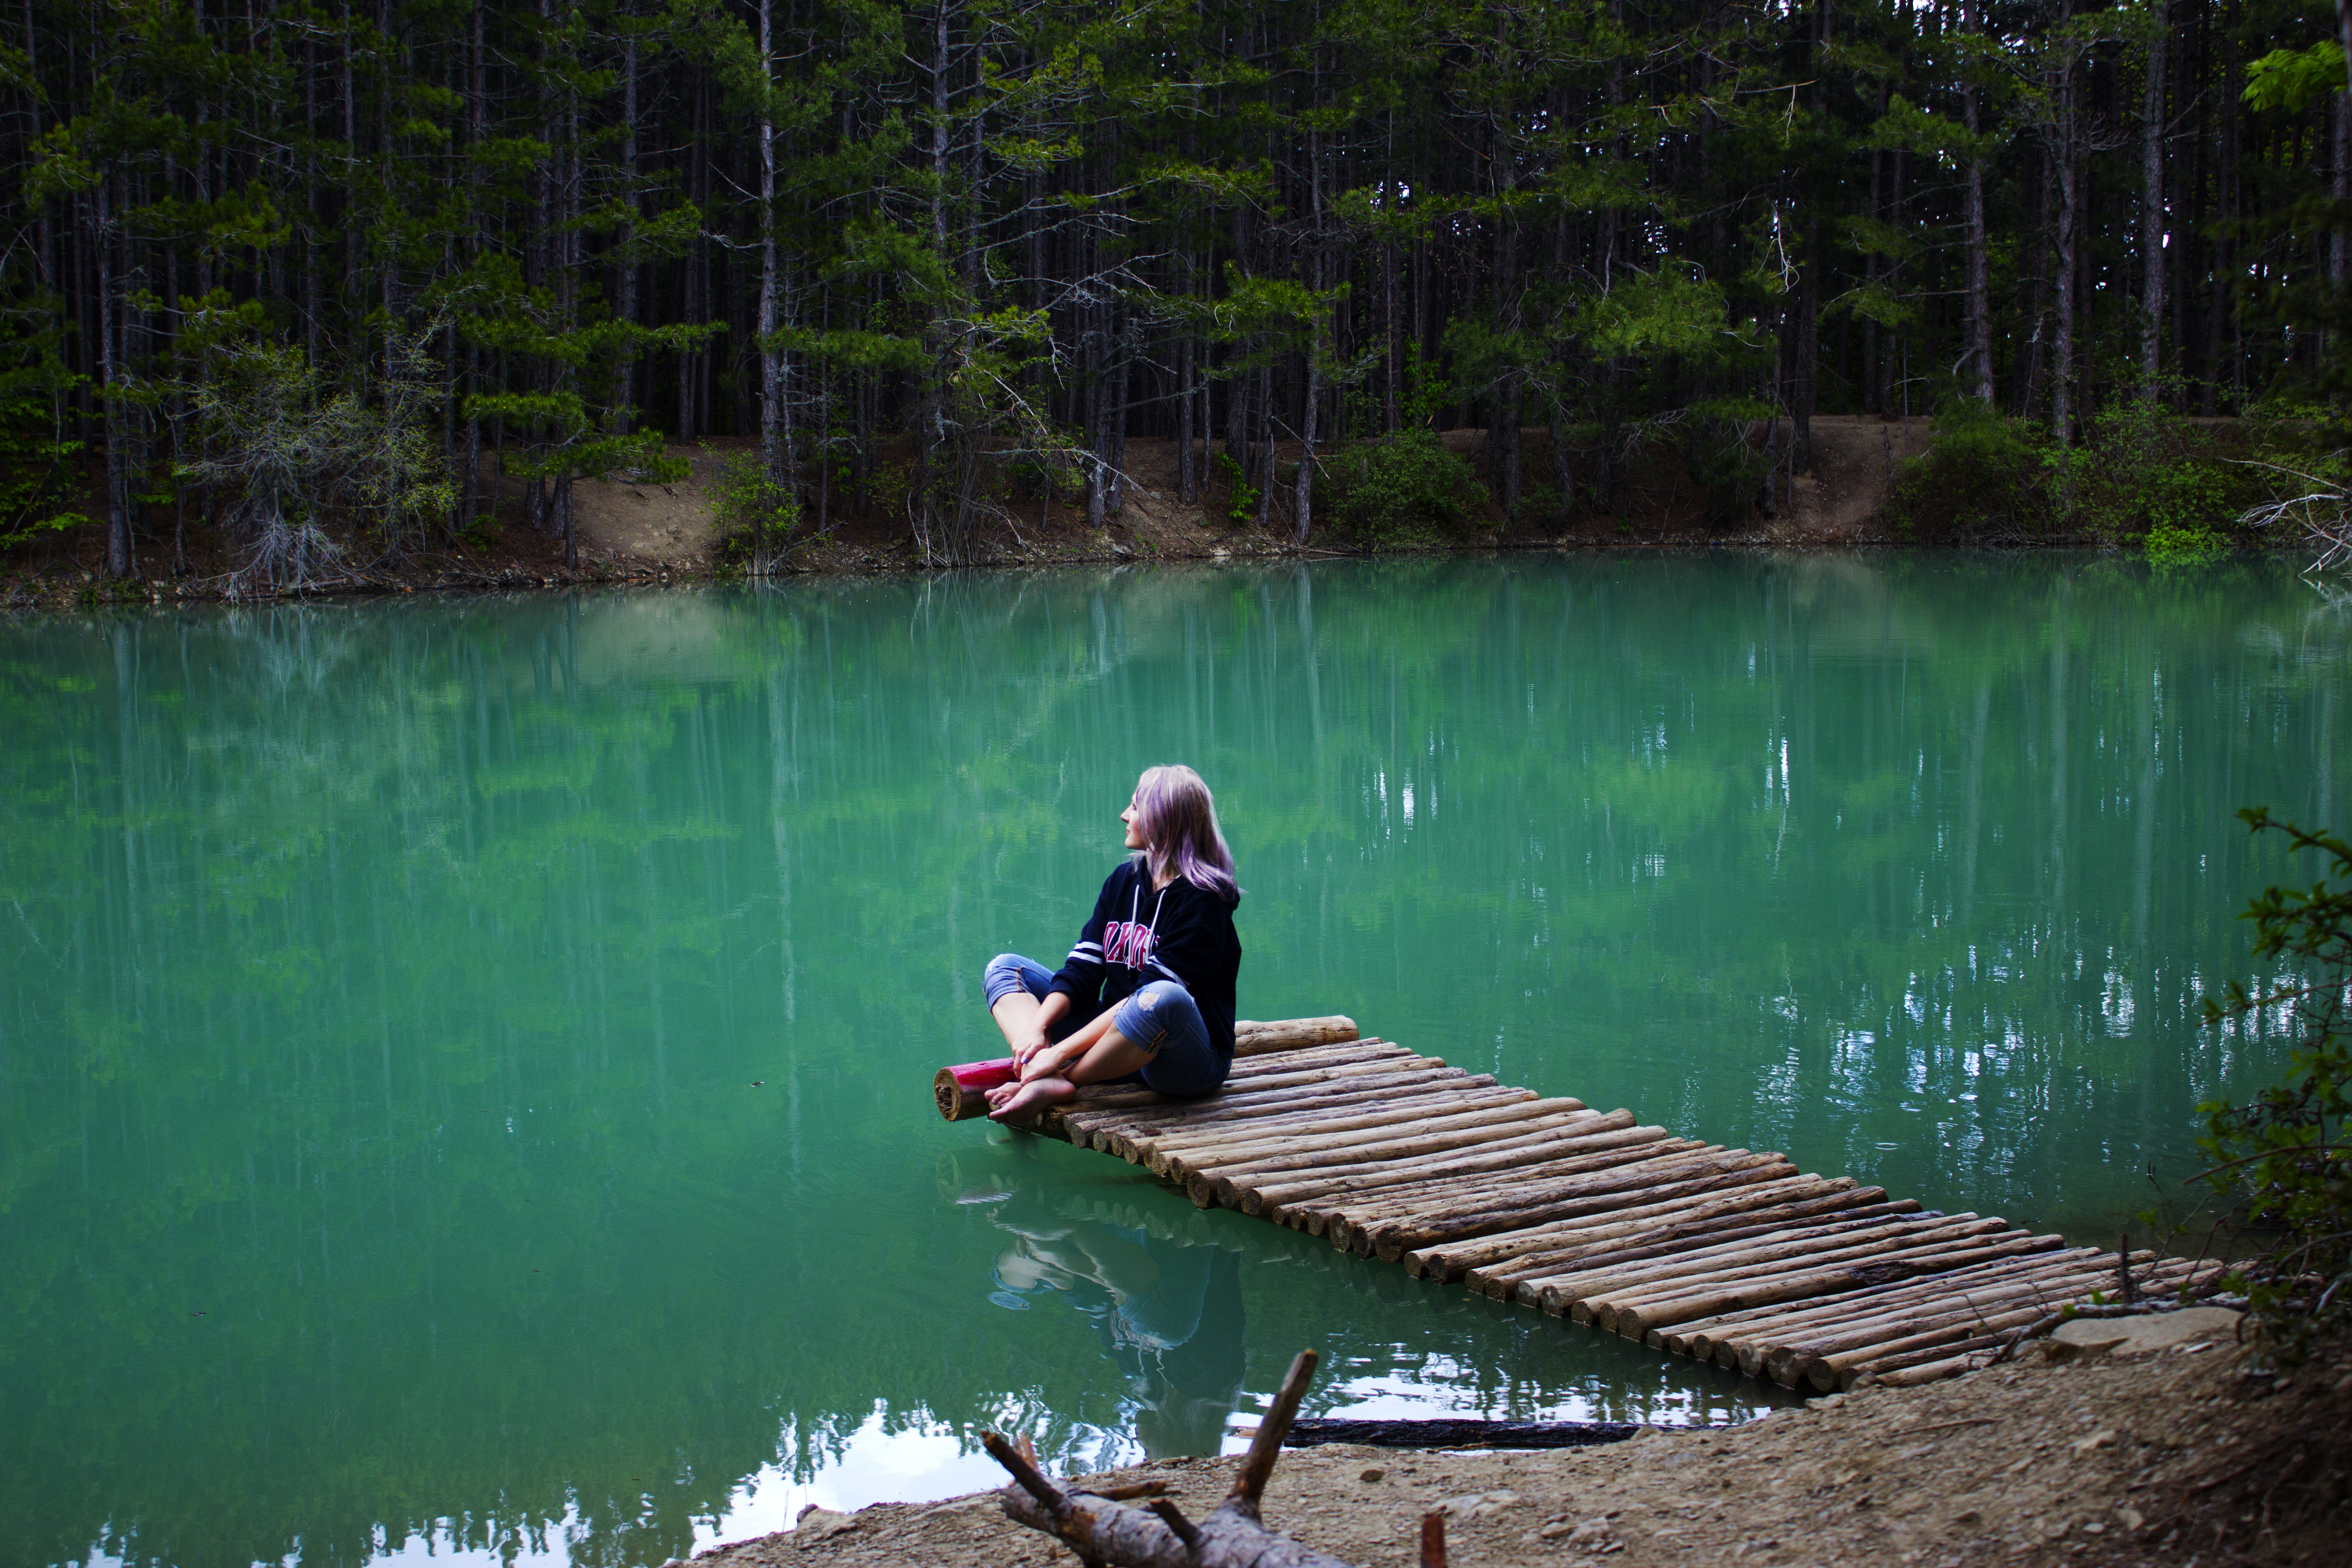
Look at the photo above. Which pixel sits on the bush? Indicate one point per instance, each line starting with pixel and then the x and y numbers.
pixel 2142 469
pixel 1402 488
pixel 752 512
pixel 2282 1160
pixel 1724 461
pixel 2170 547
pixel 1985 473
pixel 1240 497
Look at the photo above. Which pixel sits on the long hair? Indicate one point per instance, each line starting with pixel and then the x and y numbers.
pixel 1179 819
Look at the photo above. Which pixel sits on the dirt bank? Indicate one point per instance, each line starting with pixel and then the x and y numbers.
pixel 2172 1457
pixel 635 531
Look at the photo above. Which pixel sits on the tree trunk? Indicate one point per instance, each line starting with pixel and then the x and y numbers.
pixel 773 456
pixel 1976 374
pixel 119 560
pixel 624 279
pixel 2062 333
pixel 2151 212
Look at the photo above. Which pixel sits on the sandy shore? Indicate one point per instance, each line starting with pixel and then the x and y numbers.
pixel 2176 1457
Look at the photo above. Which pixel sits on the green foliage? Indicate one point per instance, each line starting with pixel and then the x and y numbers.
pixel 1403 488
pixel 42 469
pixel 2142 468
pixel 2294 79
pixel 1984 474
pixel 2170 546
pixel 754 514
pixel 1241 496
pixel 1427 394
pixel 2281 1159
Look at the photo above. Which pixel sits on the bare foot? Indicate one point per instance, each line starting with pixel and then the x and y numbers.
pixel 1027 1099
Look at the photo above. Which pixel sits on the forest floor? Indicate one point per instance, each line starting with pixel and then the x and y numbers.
pixel 637 530
pixel 2176 1457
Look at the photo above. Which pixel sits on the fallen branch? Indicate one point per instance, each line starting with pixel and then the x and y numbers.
pixel 1107 1533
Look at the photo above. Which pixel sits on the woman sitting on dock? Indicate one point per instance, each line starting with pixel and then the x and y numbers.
pixel 1147 994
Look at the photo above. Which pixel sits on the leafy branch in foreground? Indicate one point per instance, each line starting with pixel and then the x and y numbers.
pixel 2282 1158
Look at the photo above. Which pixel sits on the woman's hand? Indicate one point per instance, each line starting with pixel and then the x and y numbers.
pixel 1026 1044
pixel 1046 1061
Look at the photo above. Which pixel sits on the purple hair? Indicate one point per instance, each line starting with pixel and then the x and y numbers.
pixel 1178 820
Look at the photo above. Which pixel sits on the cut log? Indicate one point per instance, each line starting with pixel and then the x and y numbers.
pixel 1245 1069
pixel 1345 1214
pixel 1697 1337
pixel 1517 1148
pixel 1462 1434
pixel 1754 1350
pixel 1835 1213
pixel 1141 1142
pixel 1233 1107
pixel 1252 1037
pixel 1823 1366
pixel 1827 1355
pixel 1700 1337
pixel 1936 1371
pixel 1321 1120
pixel 1934 1303
pixel 1304 1142
pixel 1556 1292
pixel 1634 1322
pixel 1304 1153
pixel 1602 1308
pixel 961 1092
pixel 1386 1074
pixel 1452 1259
pixel 1333 1190
pixel 1203 1183
pixel 1655 1180
pixel 1412 1186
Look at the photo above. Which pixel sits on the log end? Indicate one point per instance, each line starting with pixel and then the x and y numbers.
pixel 956 1102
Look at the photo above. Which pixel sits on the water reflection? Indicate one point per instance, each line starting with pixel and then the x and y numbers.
pixel 1167 1313
pixel 462 1073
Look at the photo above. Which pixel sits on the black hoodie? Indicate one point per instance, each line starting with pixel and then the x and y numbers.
pixel 1136 936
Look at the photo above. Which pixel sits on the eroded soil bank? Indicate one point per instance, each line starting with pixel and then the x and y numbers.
pixel 634 531
pixel 2176 1457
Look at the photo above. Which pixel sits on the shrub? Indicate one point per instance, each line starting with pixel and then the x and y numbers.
pixel 2283 1159
pixel 2141 469
pixel 1403 487
pixel 753 514
pixel 1985 473
pixel 1724 461
pixel 2170 546
pixel 1240 497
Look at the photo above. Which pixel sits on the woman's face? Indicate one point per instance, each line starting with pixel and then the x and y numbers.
pixel 1134 820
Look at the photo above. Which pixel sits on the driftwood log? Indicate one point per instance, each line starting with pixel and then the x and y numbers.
pixel 1464 1433
pixel 1106 1533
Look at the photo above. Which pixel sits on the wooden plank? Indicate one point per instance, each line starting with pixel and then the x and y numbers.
pixel 1722 1253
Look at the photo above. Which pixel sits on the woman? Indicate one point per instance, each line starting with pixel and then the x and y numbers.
pixel 1148 993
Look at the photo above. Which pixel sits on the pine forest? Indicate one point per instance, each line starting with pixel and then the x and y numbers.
pixel 279 268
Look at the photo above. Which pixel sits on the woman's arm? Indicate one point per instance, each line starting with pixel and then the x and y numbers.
pixel 1053 1059
pixel 1050 1012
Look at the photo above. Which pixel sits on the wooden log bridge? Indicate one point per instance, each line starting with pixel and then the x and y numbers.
pixel 1721 1254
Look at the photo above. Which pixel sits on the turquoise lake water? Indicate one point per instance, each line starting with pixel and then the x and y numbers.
pixel 464 1071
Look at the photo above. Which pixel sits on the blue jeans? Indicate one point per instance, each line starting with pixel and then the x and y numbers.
pixel 1161 1019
